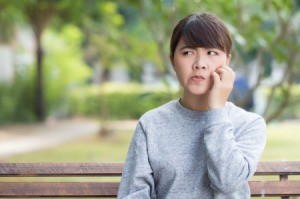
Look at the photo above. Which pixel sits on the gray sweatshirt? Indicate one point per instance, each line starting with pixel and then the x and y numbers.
pixel 179 153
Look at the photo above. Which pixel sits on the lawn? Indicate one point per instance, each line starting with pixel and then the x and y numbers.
pixel 94 148
pixel 283 143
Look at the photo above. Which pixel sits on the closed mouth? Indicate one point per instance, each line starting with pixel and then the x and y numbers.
pixel 198 77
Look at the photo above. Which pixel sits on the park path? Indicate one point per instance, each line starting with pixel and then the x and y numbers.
pixel 18 139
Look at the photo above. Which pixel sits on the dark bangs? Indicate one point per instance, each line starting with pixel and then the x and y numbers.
pixel 202 30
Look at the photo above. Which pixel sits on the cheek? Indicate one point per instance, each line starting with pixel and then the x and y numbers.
pixel 214 68
pixel 217 63
pixel 178 71
pixel 180 67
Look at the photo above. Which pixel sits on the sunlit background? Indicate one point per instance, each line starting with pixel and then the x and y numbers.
pixel 76 75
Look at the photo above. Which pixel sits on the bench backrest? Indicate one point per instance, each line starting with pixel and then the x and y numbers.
pixel 108 187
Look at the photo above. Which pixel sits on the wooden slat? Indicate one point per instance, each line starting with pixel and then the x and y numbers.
pixel 61 169
pixel 62 189
pixel 278 168
pixel 103 189
pixel 93 189
pixel 115 169
pixel 275 188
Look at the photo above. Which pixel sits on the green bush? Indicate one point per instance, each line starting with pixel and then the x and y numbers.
pixel 16 100
pixel 111 103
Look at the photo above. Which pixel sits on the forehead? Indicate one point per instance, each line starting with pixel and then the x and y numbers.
pixel 182 45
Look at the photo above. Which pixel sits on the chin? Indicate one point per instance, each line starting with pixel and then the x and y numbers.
pixel 199 92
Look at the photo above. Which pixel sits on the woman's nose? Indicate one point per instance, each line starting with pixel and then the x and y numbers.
pixel 200 61
pixel 200 64
pixel 200 67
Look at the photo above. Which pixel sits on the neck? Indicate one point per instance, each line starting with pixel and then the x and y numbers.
pixel 195 103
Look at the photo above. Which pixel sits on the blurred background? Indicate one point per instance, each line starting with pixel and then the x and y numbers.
pixel 75 76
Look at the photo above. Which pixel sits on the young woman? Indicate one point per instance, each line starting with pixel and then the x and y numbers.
pixel 198 146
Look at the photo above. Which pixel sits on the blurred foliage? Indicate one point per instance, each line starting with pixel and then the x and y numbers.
pixel 64 67
pixel 292 109
pixel 122 101
pixel 16 101
pixel 82 36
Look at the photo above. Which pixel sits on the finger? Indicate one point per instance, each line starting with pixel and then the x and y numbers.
pixel 216 77
pixel 222 72
pixel 229 70
pixel 225 68
pixel 229 74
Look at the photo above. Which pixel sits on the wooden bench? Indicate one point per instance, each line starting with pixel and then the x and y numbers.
pixel 16 179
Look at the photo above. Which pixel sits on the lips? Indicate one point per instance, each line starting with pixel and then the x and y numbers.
pixel 198 78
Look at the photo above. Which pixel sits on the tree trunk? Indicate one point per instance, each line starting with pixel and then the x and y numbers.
pixel 40 104
pixel 39 15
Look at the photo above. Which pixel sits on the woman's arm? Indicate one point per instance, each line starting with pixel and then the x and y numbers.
pixel 231 160
pixel 137 178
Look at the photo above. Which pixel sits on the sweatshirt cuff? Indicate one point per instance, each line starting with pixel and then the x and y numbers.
pixel 217 116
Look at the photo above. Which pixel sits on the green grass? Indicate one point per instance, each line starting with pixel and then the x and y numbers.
pixel 112 148
pixel 283 143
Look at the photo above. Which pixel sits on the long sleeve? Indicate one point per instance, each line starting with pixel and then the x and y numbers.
pixel 137 178
pixel 232 154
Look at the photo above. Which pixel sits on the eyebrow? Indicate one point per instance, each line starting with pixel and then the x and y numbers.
pixel 183 47
pixel 193 47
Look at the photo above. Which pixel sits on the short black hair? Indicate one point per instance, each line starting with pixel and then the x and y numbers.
pixel 204 30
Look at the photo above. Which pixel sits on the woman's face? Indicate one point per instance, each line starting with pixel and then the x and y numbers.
pixel 193 67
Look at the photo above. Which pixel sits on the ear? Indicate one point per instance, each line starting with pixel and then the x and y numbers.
pixel 228 59
pixel 172 61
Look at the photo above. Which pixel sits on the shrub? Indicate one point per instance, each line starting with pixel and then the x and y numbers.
pixel 16 101
pixel 110 102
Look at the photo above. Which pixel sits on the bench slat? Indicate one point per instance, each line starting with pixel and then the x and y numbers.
pixel 100 189
pixel 60 169
pixel 63 189
pixel 275 188
pixel 278 168
pixel 115 169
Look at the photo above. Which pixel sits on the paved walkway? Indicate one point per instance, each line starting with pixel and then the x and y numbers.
pixel 25 138
pixel 18 139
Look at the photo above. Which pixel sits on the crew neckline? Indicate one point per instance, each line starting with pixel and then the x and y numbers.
pixel 188 113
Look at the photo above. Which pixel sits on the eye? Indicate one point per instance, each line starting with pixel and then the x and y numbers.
pixel 187 52
pixel 212 52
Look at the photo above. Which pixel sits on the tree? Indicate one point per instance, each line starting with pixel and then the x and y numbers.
pixel 268 34
pixel 159 17
pixel 265 31
pixel 101 26
pixel 38 14
pixel 9 15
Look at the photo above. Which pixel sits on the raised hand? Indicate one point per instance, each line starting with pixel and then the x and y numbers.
pixel 223 79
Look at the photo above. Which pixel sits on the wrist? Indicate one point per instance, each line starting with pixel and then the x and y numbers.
pixel 216 106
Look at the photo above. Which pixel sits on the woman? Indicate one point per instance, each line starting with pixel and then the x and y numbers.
pixel 198 146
